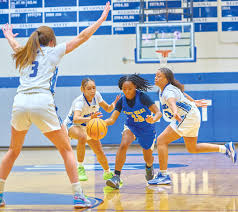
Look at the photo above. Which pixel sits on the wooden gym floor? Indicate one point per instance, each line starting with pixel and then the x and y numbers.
pixel 201 182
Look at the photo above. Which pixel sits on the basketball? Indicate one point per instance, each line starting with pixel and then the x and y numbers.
pixel 97 128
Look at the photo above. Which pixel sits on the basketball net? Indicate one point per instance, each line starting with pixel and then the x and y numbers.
pixel 163 56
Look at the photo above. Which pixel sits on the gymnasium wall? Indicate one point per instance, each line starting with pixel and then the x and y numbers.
pixel 219 120
pixel 214 76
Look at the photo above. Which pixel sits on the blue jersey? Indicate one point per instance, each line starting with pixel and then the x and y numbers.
pixel 135 121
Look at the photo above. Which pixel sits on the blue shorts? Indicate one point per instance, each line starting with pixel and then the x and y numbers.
pixel 145 137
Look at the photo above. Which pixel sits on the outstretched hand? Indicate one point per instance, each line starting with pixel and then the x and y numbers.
pixel 106 11
pixel 117 99
pixel 201 103
pixel 96 115
pixel 7 31
pixel 150 119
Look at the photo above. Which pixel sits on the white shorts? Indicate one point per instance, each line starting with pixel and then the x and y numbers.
pixel 84 128
pixel 190 125
pixel 36 108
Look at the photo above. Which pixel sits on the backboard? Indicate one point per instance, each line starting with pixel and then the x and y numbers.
pixel 153 37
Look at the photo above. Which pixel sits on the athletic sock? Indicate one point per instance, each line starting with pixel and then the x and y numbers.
pixel 107 171
pixel 117 173
pixel 80 164
pixel 222 148
pixel 76 187
pixel 164 172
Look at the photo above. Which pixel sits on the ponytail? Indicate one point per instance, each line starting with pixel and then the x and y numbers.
pixel 27 54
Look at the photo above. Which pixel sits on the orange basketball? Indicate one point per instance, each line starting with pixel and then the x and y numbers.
pixel 97 128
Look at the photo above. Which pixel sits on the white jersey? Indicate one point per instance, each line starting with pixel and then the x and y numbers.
pixel 183 104
pixel 86 108
pixel 42 74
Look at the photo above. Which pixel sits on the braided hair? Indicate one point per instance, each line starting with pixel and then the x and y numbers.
pixel 170 77
pixel 140 83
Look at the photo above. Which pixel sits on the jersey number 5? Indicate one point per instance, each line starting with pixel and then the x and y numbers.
pixel 137 118
pixel 35 65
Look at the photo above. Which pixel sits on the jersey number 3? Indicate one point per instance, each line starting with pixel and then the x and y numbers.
pixel 35 65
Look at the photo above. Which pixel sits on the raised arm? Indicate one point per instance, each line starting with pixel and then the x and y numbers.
pixel 109 108
pixel 88 32
pixel 7 31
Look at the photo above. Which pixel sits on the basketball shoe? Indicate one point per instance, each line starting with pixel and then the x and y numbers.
pixel 2 202
pixel 160 180
pixel 115 182
pixel 82 174
pixel 231 152
pixel 80 201
pixel 107 175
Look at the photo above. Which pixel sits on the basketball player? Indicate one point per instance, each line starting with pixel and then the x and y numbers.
pixel 185 122
pixel 84 108
pixel 34 103
pixel 137 106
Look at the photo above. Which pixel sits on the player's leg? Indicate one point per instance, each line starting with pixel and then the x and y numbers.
pixel 79 134
pixel 127 138
pixel 20 124
pixel 17 140
pixel 61 140
pixel 147 141
pixel 163 140
pixel 194 147
pixel 189 129
pixel 45 117
pixel 96 146
pixel 149 158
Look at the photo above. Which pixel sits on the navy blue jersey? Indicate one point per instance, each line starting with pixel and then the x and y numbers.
pixel 135 121
pixel 136 115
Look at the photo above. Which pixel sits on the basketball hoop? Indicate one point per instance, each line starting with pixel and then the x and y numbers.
pixel 164 56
